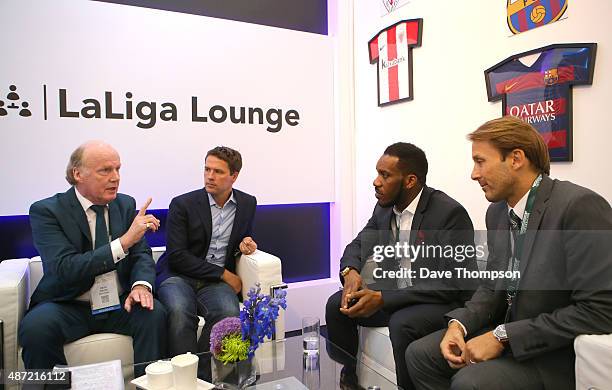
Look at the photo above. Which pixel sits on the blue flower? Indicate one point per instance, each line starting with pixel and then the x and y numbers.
pixel 258 315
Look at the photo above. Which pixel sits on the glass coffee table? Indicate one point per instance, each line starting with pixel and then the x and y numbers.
pixel 283 365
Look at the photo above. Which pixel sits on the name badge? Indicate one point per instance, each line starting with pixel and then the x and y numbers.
pixel 105 293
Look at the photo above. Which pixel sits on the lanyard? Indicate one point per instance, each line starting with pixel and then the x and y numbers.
pixel 526 214
pixel 518 242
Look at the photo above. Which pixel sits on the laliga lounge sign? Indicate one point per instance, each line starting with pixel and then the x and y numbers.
pixel 144 113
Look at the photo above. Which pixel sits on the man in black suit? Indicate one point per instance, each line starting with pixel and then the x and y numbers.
pixel 98 269
pixel 207 229
pixel 518 333
pixel 407 212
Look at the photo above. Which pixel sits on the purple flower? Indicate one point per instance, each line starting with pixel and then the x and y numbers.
pixel 223 328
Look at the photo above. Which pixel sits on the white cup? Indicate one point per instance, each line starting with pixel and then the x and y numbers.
pixel 159 375
pixel 185 371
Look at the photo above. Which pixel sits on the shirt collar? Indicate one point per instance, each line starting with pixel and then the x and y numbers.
pixel 85 203
pixel 411 207
pixel 519 208
pixel 211 200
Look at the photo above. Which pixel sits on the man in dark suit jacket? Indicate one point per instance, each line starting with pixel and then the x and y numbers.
pixel 520 332
pixel 71 232
pixel 407 212
pixel 207 229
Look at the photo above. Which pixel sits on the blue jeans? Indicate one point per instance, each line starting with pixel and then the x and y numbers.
pixel 184 302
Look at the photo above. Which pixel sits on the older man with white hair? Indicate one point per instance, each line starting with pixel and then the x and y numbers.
pixel 98 269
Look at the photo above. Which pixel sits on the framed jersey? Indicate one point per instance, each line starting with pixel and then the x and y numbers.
pixel 541 94
pixel 391 50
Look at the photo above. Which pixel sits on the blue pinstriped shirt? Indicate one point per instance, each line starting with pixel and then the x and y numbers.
pixel 222 222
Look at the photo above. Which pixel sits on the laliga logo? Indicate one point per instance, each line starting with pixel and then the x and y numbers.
pixel 146 113
pixel 13 99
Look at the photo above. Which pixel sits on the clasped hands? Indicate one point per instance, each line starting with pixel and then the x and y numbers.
pixel 366 301
pixel 459 353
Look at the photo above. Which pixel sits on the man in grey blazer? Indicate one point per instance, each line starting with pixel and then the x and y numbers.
pixel 518 333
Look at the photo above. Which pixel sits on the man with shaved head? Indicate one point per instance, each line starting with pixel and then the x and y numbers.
pixel 98 270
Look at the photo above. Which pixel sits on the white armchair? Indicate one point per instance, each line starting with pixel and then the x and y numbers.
pixel 19 278
pixel 593 361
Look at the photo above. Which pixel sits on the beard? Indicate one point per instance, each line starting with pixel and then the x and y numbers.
pixel 398 198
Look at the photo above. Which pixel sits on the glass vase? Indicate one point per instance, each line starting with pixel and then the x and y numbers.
pixel 237 375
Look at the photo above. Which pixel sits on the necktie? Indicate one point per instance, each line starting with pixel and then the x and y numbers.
pixel 101 230
pixel 515 221
pixel 515 227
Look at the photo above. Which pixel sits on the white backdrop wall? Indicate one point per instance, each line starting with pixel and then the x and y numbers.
pixel 460 40
pixel 87 48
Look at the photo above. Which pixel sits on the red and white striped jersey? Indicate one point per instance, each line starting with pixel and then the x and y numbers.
pixel 391 48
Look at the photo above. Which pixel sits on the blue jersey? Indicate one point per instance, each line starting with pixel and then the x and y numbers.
pixel 540 94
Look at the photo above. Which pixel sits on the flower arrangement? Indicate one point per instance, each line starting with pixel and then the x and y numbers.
pixel 226 342
pixel 235 339
pixel 258 316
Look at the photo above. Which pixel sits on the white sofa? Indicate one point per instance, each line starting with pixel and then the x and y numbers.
pixel 19 278
pixel 375 352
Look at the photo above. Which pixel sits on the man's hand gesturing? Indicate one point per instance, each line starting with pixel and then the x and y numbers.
pixel 141 223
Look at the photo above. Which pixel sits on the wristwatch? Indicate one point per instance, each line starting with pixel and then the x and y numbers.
pixel 500 333
pixel 345 271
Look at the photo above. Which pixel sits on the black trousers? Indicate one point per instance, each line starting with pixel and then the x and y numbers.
pixel 430 371
pixel 48 326
pixel 405 326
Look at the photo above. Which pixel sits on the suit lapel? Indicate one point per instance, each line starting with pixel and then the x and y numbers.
pixel 384 221
pixel 114 220
pixel 77 213
pixel 535 219
pixel 501 241
pixel 418 214
pixel 115 228
pixel 384 218
pixel 205 215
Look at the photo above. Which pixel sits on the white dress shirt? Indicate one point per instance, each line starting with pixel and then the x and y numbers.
pixel 116 248
pixel 403 223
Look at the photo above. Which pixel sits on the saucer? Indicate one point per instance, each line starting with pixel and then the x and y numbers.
pixel 144 384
